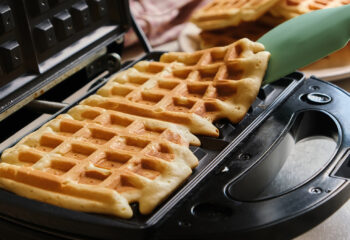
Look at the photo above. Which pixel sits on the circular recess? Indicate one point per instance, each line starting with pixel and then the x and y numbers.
pixel 244 156
pixel 318 98
pixel 315 190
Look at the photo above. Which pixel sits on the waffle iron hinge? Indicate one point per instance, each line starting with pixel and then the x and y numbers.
pixel 53 101
pixel 110 62
pixel 94 72
pixel 50 85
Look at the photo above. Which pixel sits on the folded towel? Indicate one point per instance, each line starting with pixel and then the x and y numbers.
pixel 161 20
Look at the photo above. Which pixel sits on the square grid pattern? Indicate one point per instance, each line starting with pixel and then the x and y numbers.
pixel 109 152
pixel 130 141
pixel 294 8
pixel 224 13
pixel 191 89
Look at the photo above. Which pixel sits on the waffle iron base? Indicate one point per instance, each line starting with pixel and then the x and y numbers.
pixel 221 198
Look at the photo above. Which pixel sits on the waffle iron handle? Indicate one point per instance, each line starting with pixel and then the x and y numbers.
pixel 316 108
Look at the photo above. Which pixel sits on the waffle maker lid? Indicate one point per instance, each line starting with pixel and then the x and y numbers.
pixel 42 42
pixel 220 199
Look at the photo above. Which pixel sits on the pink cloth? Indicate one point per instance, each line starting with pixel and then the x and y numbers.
pixel 161 20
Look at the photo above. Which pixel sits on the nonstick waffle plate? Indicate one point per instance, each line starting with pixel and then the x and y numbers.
pixel 221 197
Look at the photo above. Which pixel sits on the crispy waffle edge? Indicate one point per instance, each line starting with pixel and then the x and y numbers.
pixel 165 161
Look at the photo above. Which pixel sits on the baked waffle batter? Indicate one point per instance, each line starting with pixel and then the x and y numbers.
pixel 191 89
pixel 89 166
pixel 293 8
pixel 129 142
pixel 226 36
pixel 224 13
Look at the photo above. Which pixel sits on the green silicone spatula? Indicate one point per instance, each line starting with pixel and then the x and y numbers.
pixel 305 39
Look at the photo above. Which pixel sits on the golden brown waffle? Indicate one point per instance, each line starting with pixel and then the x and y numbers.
pixel 191 89
pixel 96 160
pixel 129 142
pixel 225 13
pixel 226 36
pixel 292 8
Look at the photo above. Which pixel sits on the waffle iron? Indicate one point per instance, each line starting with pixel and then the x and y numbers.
pixel 222 198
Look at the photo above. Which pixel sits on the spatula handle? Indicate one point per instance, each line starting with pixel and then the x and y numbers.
pixel 305 39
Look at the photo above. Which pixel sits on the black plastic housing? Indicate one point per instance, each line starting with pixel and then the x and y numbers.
pixel 41 41
pixel 206 205
pixel 227 204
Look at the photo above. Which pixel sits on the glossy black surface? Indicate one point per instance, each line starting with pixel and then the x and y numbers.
pixel 226 206
pixel 41 40
pixel 218 200
pixel 210 154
